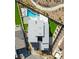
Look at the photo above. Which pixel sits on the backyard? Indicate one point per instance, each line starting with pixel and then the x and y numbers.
pixel 52 25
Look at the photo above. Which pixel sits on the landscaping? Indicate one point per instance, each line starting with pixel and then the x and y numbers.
pixel 52 26
pixel 25 27
pixel 17 16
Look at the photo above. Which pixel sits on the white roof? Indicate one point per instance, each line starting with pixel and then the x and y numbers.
pixel 35 28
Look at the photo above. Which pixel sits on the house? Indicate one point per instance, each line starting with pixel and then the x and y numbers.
pixel 38 33
pixel 38 29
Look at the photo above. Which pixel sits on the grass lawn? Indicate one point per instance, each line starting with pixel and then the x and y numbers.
pixel 17 16
pixel 52 26
pixel 25 27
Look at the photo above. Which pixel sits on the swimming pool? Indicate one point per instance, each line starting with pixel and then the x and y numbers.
pixel 32 13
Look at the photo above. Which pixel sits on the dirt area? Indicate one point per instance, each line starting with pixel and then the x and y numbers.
pixel 48 3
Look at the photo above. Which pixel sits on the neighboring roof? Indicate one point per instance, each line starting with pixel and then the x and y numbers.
pixel 34 57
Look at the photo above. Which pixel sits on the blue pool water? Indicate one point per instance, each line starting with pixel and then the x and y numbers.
pixel 32 13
